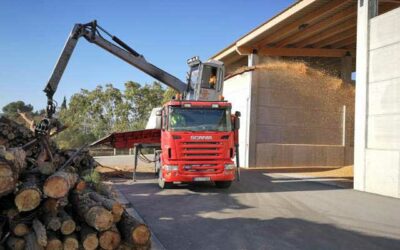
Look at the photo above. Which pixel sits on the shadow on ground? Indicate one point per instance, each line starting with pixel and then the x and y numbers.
pixel 259 212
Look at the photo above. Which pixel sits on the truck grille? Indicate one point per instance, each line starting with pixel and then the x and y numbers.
pixel 200 150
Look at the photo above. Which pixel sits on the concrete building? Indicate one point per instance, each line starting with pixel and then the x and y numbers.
pixel 377 131
pixel 326 34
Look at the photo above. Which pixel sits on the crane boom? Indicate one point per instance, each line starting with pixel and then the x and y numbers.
pixel 91 33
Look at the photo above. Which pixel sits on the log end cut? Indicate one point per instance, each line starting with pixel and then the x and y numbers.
pixel 68 227
pixel 91 242
pixel 27 200
pixel 54 244
pixel 109 240
pixel 56 187
pixel 141 235
pixel 99 218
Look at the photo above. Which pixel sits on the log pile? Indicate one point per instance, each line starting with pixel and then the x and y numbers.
pixel 45 202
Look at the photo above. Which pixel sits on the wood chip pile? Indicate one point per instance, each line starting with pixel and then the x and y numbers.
pixel 45 203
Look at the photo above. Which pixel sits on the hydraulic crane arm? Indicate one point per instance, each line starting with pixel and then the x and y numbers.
pixel 90 32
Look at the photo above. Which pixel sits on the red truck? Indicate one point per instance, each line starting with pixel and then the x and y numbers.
pixel 196 135
pixel 198 142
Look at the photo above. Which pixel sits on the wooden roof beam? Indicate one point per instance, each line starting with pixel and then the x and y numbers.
pixel 336 38
pixel 304 52
pixel 308 18
pixel 345 42
pixel 319 26
pixel 339 28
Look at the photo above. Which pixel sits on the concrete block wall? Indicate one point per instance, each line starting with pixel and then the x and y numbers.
pixel 237 91
pixel 296 128
pixel 377 167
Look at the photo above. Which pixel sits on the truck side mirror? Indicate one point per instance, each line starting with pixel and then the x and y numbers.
pixel 237 120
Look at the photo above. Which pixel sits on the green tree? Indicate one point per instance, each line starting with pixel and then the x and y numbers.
pixel 169 94
pixel 93 114
pixel 141 100
pixel 64 103
pixel 11 109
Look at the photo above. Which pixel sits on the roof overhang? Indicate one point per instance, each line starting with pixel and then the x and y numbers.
pixel 308 28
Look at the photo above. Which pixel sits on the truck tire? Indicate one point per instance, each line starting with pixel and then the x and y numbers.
pixel 223 184
pixel 162 183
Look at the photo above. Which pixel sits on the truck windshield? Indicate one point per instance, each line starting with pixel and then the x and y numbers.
pixel 199 119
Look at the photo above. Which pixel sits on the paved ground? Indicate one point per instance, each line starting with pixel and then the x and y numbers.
pixel 265 211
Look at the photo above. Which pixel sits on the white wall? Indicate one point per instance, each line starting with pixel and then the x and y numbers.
pixel 237 91
pixel 377 168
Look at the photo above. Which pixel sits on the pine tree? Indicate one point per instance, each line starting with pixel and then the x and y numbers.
pixel 64 103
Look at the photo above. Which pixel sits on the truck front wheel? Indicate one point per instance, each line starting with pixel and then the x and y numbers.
pixel 223 184
pixel 162 183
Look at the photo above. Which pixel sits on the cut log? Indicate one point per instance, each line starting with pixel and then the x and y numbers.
pixel 7 180
pixel 110 239
pixel 53 242
pixel 51 222
pixel 115 207
pixel 92 212
pixel 19 229
pixel 46 167
pixel 71 242
pixel 40 232
pixel 125 246
pixel 53 206
pixel 89 238
pixel 31 242
pixel 12 163
pixel 80 186
pixel 29 195
pixel 68 225
pixel 16 243
pixel 133 232
pixel 59 184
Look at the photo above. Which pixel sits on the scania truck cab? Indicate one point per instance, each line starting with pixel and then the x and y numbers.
pixel 197 143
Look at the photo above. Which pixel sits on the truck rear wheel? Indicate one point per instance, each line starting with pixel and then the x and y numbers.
pixel 223 184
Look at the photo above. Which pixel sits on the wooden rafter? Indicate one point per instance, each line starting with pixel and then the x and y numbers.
pixel 308 18
pixel 304 52
pixel 345 42
pixel 336 38
pixel 339 28
pixel 319 26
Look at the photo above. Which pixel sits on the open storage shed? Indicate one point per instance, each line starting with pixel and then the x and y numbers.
pixel 311 41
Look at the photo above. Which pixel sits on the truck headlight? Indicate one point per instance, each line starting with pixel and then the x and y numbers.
pixel 171 168
pixel 230 166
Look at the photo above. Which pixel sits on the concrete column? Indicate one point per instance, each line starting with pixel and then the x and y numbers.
pixel 253 60
pixel 366 9
pixel 346 68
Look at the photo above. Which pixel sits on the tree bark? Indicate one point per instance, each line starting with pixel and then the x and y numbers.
pixel 133 232
pixel 92 212
pixel 31 242
pixel 29 195
pixel 59 184
pixel 51 222
pixel 89 238
pixel 15 243
pixel 115 207
pixel 68 225
pixel 110 239
pixel 40 232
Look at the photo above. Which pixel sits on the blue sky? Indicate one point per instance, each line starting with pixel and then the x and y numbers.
pixel 167 33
